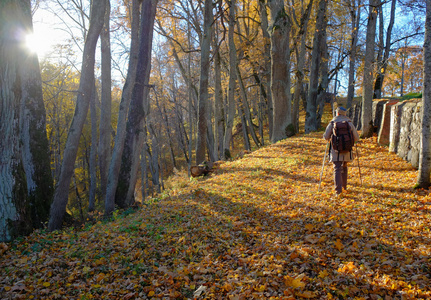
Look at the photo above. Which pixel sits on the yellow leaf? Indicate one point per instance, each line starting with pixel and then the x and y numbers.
pixel 307 294
pixel 339 245
pixel 294 282
pixel 46 284
pixel 7 288
pixel 227 287
pixel 151 294
pixel 309 226
pixel 261 288
pixel 323 274
pixel 355 245
pixel 349 267
pixel 100 277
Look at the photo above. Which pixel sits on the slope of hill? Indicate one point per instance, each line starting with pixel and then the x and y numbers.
pixel 258 228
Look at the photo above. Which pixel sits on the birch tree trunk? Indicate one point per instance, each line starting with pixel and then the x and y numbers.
pixel 86 85
pixel 26 187
pixel 232 83
pixel 138 110
pixel 280 71
pixel 106 103
pixel 316 57
pixel 202 126
pixel 367 88
pixel 114 166
pixel 423 180
pixel 355 13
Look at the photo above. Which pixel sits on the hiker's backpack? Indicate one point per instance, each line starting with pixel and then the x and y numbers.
pixel 342 137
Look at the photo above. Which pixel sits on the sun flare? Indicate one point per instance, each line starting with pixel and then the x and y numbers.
pixel 38 43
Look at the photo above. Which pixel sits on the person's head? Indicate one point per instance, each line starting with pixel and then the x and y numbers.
pixel 341 111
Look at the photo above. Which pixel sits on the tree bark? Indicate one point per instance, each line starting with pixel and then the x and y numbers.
pixel 218 103
pixel 114 167
pixel 355 13
pixel 26 187
pixel 106 103
pixel 280 71
pixel 382 64
pixel 324 78
pixel 316 57
pixel 202 125
pixel 86 85
pixel 300 64
pixel 423 179
pixel 232 83
pixel 367 93
pixel 93 152
pixel 266 91
pixel 246 109
pixel 138 110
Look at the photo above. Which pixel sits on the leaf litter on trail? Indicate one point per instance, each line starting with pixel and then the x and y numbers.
pixel 258 228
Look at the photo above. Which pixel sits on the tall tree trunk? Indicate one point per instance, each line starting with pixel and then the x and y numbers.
pixel 86 85
pixel 244 127
pixel 267 64
pixel 280 71
pixel 114 166
pixel 382 63
pixel 154 158
pixel 138 110
pixel 300 64
pixel 246 109
pixel 355 13
pixel 367 89
pixel 26 187
pixel 218 102
pixel 232 83
pixel 93 152
pixel 316 57
pixel 324 78
pixel 423 180
pixel 203 84
pixel 106 103
pixel 144 174
pixel 218 92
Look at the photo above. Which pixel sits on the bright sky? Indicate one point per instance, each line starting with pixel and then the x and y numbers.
pixel 42 40
pixel 50 31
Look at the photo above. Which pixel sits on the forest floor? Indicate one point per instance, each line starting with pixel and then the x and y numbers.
pixel 257 228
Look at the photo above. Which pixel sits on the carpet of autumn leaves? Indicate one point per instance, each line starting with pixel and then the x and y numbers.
pixel 257 228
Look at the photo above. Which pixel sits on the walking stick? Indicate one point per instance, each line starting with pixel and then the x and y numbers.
pixel 323 166
pixel 359 167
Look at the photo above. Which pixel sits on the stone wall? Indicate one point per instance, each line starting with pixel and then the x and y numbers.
pixel 398 125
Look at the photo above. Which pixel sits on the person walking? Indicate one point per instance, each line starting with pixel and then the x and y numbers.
pixel 341 134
